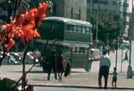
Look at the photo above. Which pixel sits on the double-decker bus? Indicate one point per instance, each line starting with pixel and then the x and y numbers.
pixel 71 36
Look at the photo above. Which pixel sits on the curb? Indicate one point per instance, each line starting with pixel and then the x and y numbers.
pixel 88 87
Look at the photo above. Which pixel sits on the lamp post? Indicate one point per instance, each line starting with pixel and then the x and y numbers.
pixel 96 37
pixel 129 71
pixel 116 47
pixel 130 36
pixel 117 35
pixel 121 59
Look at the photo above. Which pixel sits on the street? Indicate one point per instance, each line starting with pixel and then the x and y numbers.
pixel 79 79
pixel 74 89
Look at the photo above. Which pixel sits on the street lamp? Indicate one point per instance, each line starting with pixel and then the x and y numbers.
pixel 97 22
pixel 130 35
pixel 117 35
pixel 116 47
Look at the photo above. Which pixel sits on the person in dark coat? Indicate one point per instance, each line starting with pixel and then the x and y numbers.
pixel 52 65
pixel 61 62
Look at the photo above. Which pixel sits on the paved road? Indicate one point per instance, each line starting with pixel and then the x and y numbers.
pixel 73 89
pixel 78 77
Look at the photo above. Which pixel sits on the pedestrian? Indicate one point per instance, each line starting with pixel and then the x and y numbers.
pixel 114 78
pixel 126 56
pixel 67 69
pixel 61 63
pixel 108 49
pixel 52 65
pixel 105 64
pixel 89 64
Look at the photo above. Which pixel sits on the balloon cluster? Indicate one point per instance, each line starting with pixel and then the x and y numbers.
pixel 23 26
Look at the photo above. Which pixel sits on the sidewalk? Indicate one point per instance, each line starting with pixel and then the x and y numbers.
pixel 78 78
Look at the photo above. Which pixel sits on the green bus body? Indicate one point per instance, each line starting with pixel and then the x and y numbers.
pixel 73 37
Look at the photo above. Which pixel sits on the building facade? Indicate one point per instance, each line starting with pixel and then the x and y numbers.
pixel 121 7
pixel 75 9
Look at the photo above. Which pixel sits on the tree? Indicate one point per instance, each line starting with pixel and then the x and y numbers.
pixel 107 23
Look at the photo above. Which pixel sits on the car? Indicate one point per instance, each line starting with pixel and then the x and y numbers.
pixel 95 54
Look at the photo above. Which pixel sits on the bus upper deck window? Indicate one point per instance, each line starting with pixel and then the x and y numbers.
pixel 70 28
pixel 79 29
pixel 87 30
pixel 90 31
pixel 83 30
pixel 74 28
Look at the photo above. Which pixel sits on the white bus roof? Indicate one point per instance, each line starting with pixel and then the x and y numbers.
pixel 70 21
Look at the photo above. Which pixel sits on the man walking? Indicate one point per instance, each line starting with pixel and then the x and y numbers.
pixel 105 64
pixel 52 65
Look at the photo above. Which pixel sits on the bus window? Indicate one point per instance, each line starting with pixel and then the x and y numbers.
pixel 74 28
pixel 82 50
pixel 79 29
pixel 73 49
pixel 87 30
pixel 69 28
pixel 83 30
pixel 90 31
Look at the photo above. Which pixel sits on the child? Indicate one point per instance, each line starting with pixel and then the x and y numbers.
pixel 114 79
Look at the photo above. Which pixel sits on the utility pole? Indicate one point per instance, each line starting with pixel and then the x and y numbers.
pixel 130 35
pixel 116 47
pixel 121 59
pixel 129 71
pixel 97 22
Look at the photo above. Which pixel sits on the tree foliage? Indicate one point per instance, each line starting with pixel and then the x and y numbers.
pixel 107 23
pixel 24 27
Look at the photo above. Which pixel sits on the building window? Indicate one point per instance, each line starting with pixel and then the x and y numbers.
pixel 114 3
pixel 103 2
pixel 88 1
pixel 79 14
pixel 125 13
pixel 95 10
pixel 72 12
pixel 125 4
pixel 95 1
